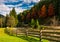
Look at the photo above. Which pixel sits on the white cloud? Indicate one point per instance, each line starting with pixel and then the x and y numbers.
pixel 19 5
pixel 29 1
pixel 18 10
pixel 26 1
pixel 10 5
pixel 4 9
pixel 35 0
pixel 11 0
pixel 14 5
pixel 31 6
pixel 1 1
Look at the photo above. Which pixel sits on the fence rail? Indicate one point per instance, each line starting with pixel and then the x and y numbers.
pixel 50 33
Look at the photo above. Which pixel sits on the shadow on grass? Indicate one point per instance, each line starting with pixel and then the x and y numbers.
pixel 29 39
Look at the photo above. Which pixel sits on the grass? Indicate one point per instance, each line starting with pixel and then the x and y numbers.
pixel 7 38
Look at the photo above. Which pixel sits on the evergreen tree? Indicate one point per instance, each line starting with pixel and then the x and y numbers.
pixel 6 18
pixel 13 13
pixel 37 24
pixel 1 22
pixel 33 23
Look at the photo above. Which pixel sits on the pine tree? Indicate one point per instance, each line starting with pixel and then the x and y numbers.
pixel 13 13
pixel 37 24
pixel 1 22
pixel 32 23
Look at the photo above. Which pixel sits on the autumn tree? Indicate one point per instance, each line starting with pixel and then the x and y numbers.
pixel 34 13
pixel 50 10
pixel 39 13
pixel 11 21
pixel 28 17
pixel 43 11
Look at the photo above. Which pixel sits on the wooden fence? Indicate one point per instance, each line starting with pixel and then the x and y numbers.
pixel 51 33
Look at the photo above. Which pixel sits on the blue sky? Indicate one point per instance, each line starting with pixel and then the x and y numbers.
pixel 20 5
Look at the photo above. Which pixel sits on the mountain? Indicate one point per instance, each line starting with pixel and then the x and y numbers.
pixel 1 16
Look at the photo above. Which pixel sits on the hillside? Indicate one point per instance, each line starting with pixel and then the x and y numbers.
pixel 5 38
pixel 1 16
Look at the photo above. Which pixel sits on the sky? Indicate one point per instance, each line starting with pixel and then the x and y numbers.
pixel 20 5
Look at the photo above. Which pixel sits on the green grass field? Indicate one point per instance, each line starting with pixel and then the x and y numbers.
pixel 7 38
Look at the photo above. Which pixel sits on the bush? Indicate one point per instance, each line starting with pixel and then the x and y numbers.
pixel 10 31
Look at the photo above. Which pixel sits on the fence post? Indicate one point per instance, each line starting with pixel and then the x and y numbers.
pixel 40 34
pixel 26 32
pixel 16 32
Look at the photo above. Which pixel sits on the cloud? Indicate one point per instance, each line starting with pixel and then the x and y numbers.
pixel 36 0
pixel 20 5
pixel 18 10
pixel 4 9
pixel 29 1
pixel 12 0
pixel 10 6
pixel 8 0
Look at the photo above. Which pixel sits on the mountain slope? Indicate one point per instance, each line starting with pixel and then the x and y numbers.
pixel 1 16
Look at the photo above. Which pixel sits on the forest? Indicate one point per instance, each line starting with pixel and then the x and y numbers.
pixel 46 12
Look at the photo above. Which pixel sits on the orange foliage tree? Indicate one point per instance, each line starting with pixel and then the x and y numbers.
pixel 43 11
pixel 33 13
pixel 28 17
pixel 50 10
pixel 39 13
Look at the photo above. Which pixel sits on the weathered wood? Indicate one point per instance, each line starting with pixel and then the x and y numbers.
pixel 51 35
pixel 51 38
pixel 57 31
pixel 52 28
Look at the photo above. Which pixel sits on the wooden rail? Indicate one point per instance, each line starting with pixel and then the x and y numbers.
pixel 50 33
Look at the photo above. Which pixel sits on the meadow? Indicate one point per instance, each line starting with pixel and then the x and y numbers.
pixel 7 38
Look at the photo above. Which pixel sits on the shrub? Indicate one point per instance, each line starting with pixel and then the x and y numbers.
pixel 10 31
